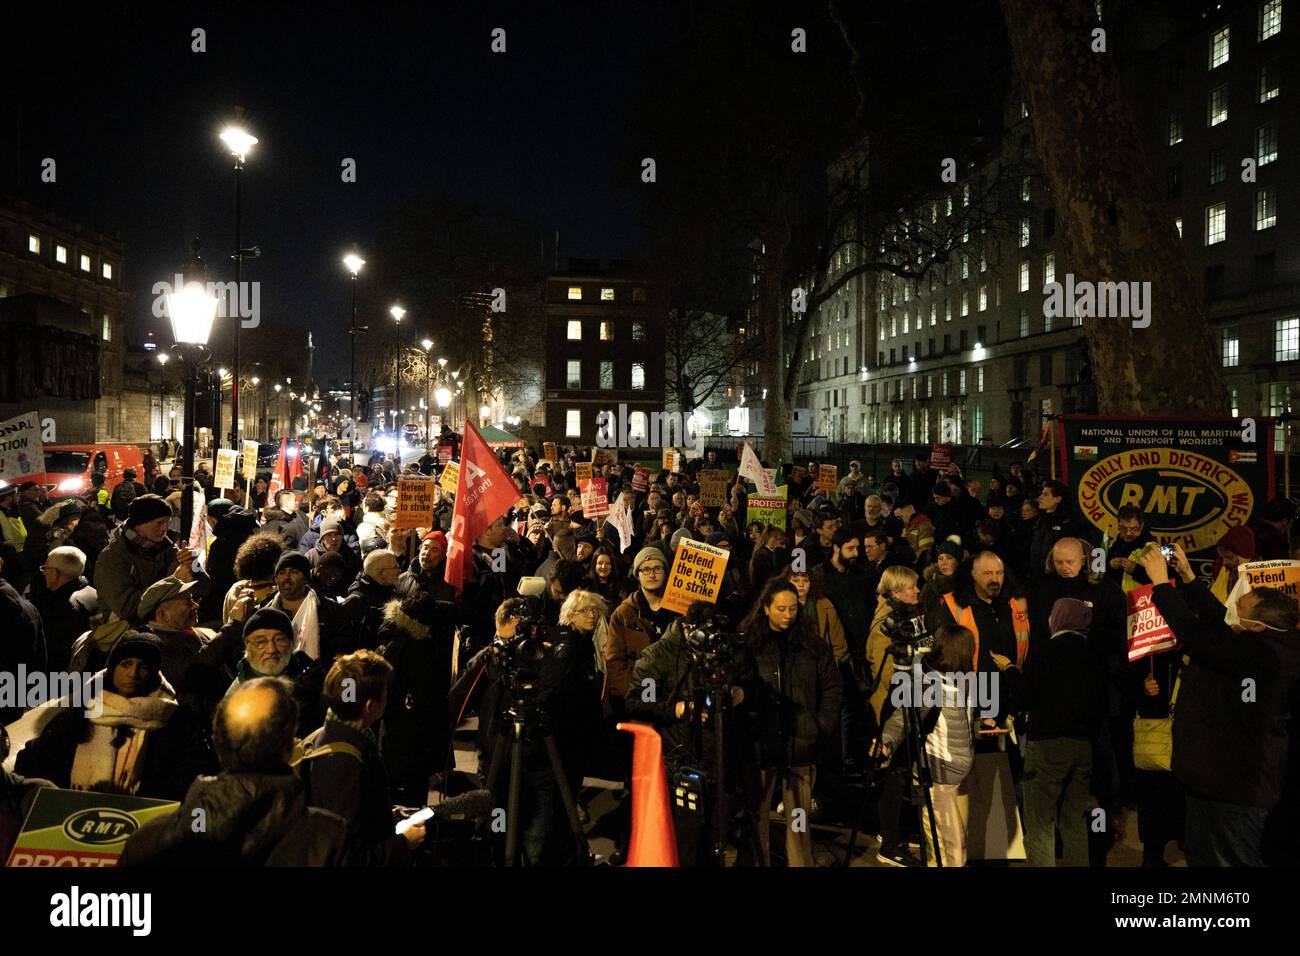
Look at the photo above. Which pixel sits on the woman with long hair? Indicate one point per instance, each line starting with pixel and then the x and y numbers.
pixel 950 741
pixel 770 556
pixel 819 611
pixel 605 577
pixel 797 696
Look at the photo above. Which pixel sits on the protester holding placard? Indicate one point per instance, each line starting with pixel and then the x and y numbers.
pixel 1231 724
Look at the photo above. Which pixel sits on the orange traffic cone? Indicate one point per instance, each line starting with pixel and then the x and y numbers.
pixel 654 842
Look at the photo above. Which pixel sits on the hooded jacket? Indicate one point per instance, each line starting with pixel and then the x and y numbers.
pixel 128 565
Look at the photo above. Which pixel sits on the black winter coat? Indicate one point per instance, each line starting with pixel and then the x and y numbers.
pixel 796 695
pixel 417 728
pixel 65 616
pixel 251 819
pixel 233 528
pixel 1229 745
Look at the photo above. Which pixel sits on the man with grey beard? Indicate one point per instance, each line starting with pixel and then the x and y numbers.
pixel 268 652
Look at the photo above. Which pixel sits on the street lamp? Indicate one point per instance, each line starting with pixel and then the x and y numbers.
pixel 397 312
pixel 162 394
pixel 353 262
pixel 239 141
pixel 191 311
pixel 427 345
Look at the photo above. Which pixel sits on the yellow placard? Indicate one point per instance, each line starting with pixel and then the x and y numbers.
pixel 713 488
pixel 696 575
pixel 672 460
pixel 450 476
pixel 550 452
pixel 249 469
pixel 582 470
pixel 414 503
pixel 828 477
pixel 223 476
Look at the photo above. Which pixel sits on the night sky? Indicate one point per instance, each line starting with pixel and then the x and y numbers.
pixel 411 91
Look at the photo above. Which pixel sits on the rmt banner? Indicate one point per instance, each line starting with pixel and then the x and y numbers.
pixel 1193 479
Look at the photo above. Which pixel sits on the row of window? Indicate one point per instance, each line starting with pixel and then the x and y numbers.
pixel 1286 342
pixel 922 387
pixel 606 331
pixel 573 374
pixel 35 245
pixel 606 294
pixel 637 425
pixel 1216 107
pixel 1270 25
pixel 922 427
pixel 1216 216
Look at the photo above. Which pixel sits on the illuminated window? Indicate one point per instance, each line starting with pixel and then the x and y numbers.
pixel 575 293
pixel 1270 18
pixel 607 331
pixel 965 267
pixel 1024 276
pixel 934 315
pixel 572 423
pixel 1024 232
pixel 983 298
pixel 1231 348
pixel 606 294
pixel 1265 208
pixel 106 270
pixel 1233 404
pixel 1024 189
pixel 1175 128
pixel 85 262
pixel 1286 340
pixel 61 254
pixel 638 375
pixel 979 379
pixel 1218 48
pixel 1178 224
pixel 1049 268
pixel 965 304
pixel 638 331
pixel 575 329
pixel 1266 143
pixel 947 310
pixel 573 373
pixel 1218 105
pixel 1268 83
pixel 34 245
pixel 108 329
pixel 1216 223
pixel 636 426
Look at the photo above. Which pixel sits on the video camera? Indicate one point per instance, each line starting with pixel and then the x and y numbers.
pixel 909 637
pixel 713 646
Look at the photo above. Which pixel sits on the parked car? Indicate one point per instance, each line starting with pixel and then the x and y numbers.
pixel 68 467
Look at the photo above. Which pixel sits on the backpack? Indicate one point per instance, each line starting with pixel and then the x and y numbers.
pixel 308 749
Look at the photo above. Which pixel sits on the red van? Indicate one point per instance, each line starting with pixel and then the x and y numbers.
pixel 68 467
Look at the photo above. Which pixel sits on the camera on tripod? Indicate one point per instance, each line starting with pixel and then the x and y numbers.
pixel 714 648
pixel 909 637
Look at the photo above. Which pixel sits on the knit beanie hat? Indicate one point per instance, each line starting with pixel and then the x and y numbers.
pixel 144 647
pixel 146 508
pixel 292 559
pixel 644 555
pixel 269 618
pixel 1070 614
pixel 951 548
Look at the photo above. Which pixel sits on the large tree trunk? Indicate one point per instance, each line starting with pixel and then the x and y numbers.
pixel 1113 223
pixel 777 445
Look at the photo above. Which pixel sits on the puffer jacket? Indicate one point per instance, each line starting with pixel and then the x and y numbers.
pixel 949 730
pixel 795 695
pixel 252 819
pixel 289 525
pixel 126 568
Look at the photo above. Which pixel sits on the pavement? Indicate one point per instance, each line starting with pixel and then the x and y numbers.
pixel 830 842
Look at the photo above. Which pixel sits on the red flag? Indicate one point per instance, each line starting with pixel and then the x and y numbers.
pixel 653 841
pixel 294 467
pixel 277 473
pixel 484 492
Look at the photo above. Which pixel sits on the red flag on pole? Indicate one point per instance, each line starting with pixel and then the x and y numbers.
pixel 653 841
pixel 277 473
pixel 484 492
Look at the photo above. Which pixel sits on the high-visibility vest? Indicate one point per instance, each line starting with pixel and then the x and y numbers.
pixel 965 616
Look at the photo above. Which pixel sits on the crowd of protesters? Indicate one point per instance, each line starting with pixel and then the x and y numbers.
pixel 301 673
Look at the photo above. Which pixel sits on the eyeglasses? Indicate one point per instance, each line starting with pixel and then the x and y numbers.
pixel 652 569
pixel 593 610
pixel 262 643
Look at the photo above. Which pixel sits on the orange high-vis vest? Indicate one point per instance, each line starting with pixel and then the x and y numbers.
pixel 965 616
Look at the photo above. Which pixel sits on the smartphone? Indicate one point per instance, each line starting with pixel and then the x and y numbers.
pixel 419 816
pixel 1167 551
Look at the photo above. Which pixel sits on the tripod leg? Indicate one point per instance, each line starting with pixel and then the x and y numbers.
pixel 512 803
pixel 720 789
pixel 566 798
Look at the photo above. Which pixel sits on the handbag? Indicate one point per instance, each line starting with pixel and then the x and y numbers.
pixel 1153 737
